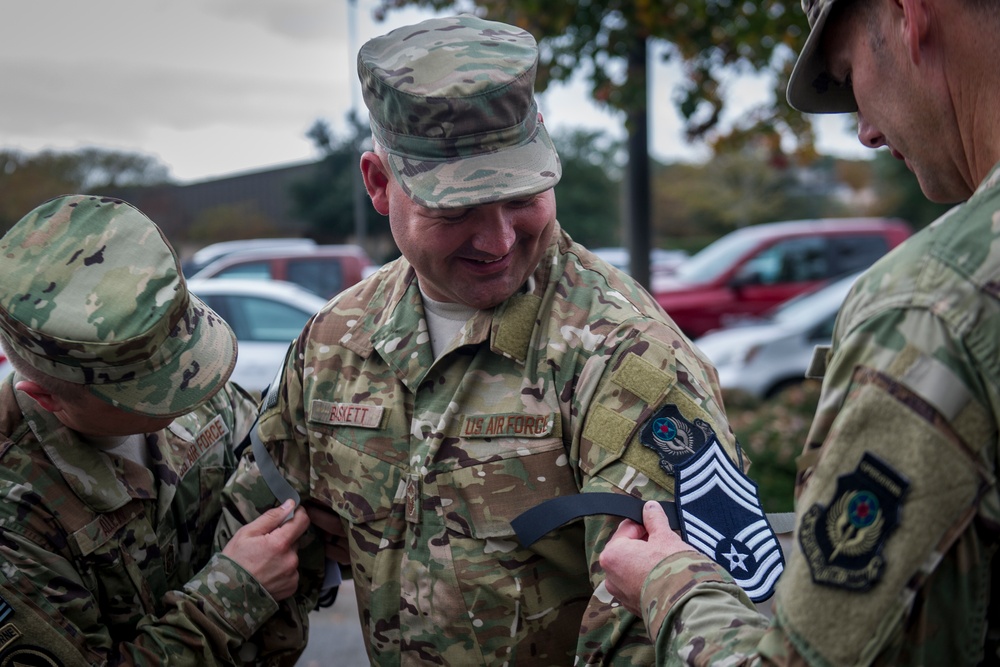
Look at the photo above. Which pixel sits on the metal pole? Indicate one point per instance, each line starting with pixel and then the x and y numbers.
pixel 360 199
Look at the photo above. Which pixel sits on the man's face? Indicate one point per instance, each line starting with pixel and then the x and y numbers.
pixel 89 415
pixel 477 256
pixel 900 104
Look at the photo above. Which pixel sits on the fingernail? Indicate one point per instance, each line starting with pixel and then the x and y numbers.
pixel 288 504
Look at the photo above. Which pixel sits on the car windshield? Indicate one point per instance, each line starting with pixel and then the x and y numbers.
pixel 713 260
pixel 813 305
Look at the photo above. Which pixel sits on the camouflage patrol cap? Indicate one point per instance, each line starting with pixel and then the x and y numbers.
pixel 811 89
pixel 452 102
pixel 92 293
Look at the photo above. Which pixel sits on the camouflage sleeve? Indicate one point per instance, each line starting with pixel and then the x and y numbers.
pixel 883 551
pixel 651 373
pixel 205 624
pixel 697 614
pixel 280 639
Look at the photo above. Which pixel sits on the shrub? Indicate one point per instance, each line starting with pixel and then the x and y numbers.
pixel 772 433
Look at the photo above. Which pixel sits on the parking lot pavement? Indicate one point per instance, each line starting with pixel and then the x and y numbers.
pixel 335 634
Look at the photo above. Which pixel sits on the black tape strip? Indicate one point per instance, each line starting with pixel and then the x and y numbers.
pixel 532 525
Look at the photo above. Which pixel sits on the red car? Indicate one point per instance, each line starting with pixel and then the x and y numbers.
pixel 753 269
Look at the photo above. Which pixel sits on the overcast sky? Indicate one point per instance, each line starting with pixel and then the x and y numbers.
pixel 216 87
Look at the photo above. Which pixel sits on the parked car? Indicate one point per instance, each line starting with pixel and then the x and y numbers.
pixel 322 269
pixel 205 256
pixel 265 315
pixel 751 270
pixel 661 261
pixel 762 356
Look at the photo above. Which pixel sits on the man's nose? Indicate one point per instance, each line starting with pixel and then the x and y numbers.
pixel 495 232
pixel 868 134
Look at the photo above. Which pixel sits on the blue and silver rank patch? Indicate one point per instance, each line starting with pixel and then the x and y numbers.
pixel 721 516
pixel 843 542
pixel 674 438
pixel 5 610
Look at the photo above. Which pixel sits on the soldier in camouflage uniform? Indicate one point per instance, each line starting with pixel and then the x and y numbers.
pixel 117 434
pixel 897 506
pixel 494 366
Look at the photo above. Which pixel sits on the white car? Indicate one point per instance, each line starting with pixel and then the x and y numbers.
pixel 763 356
pixel 265 315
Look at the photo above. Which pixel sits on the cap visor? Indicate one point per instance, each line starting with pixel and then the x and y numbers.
pixel 187 379
pixel 520 171
pixel 810 88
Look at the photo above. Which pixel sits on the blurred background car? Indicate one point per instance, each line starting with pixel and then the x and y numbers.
pixel 753 269
pixel 205 256
pixel 762 356
pixel 324 270
pixel 662 262
pixel 265 315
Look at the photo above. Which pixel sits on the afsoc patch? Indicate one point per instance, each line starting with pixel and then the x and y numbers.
pixel 842 542
pixel 674 438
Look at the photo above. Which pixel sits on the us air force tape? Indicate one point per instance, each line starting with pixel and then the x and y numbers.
pixel 717 512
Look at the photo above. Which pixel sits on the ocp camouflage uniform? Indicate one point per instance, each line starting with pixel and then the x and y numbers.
pixel 898 510
pixel 427 461
pixel 106 554
pixel 115 557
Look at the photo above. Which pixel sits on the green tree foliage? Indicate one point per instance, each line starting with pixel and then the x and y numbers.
pixel 711 38
pixel 588 195
pixel 26 180
pixel 230 223
pixel 327 200
pixel 696 203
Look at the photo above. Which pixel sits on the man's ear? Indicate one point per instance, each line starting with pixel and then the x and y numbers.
pixel 42 396
pixel 376 181
pixel 916 26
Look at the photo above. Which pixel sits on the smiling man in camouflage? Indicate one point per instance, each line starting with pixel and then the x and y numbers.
pixel 495 366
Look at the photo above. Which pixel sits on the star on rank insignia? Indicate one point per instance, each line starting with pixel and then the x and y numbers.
pixel 843 542
pixel 721 516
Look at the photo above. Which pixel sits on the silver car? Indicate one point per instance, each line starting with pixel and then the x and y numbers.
pixel 265 315
pixel 763 356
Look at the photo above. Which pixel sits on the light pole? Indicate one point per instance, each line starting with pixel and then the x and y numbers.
pixel 360 199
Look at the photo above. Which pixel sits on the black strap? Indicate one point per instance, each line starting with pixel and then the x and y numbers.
pixel 531 525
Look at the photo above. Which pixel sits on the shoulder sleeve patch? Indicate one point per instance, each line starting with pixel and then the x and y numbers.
pixel 608 429
pixel 514 331
pixel 642 378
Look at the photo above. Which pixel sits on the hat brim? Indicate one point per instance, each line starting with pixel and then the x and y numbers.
pixel 517 171
pixel 189 377
pixel 810 87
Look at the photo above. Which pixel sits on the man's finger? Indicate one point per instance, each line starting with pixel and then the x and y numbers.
pixel 291 530
pixel 270 519
pixel 654 518
pixel 629 530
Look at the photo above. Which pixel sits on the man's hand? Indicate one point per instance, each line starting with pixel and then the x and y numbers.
pixel 267 548
pixel 634 550
pixel 332 527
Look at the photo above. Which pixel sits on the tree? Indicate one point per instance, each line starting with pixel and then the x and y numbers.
pixel 28 180
pixel 588 193
pixel 609 40
pixel 327 201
